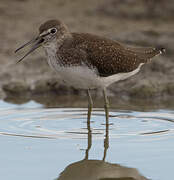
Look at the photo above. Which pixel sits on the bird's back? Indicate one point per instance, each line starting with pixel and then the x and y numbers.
pixel 110 57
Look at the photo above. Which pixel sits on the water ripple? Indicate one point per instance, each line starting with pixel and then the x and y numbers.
pixel 54 123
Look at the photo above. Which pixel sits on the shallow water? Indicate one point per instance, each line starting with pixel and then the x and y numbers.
pixel 58 143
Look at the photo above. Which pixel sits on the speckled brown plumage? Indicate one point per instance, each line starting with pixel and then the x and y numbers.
pixel 107 56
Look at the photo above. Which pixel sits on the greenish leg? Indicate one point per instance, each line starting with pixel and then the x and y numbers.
pixel 106 142
pixel 89 140
pixel 106 139
pixel 106 106
pixel 90 105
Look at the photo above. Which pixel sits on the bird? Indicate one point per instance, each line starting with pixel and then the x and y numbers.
pixel 88 61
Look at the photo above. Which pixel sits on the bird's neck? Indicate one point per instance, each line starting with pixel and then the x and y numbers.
pixel 51 48
pixel 54 46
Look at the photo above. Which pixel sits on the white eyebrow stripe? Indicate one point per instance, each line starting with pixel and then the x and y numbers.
pixel 44 33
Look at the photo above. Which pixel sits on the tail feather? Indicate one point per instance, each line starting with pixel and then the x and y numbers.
pixel 161 50
pixel 146 52
pixel 155 52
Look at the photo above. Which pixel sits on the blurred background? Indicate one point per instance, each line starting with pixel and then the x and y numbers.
pixel 134 22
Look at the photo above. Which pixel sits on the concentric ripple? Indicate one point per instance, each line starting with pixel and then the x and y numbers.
pixel 33 121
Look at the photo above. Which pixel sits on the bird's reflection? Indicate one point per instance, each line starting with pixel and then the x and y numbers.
pixel 88 169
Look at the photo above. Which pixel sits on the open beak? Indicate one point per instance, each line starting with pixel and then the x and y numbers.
pixel 36 43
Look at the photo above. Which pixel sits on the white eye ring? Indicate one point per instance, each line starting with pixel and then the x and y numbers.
pixel 53 30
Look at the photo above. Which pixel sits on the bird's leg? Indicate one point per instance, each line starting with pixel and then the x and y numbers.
pixel 106 106
pixel 106 141
pixel 89 140
pixel 90 105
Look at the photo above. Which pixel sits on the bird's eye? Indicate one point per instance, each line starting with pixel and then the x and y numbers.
pixel 53 30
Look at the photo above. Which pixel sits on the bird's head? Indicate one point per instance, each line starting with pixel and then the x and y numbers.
pixel 52 32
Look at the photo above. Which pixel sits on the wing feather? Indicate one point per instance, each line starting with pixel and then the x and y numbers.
pixel 107 56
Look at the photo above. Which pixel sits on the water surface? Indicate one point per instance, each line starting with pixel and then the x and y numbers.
pixel 58 143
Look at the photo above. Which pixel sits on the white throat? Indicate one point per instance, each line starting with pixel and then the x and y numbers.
pixel 51 53
pixel 51 47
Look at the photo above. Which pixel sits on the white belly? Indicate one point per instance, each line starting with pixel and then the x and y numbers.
pixel 79 77
pixel 84 78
